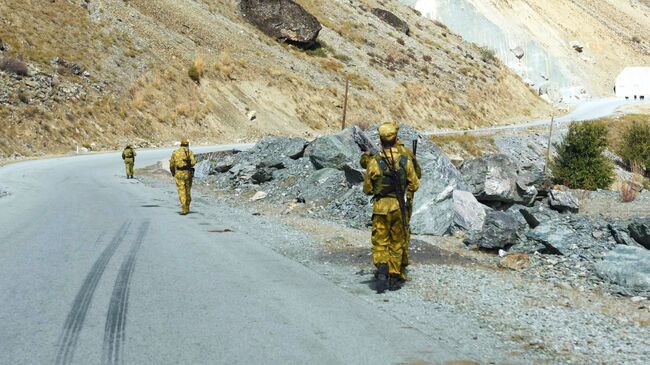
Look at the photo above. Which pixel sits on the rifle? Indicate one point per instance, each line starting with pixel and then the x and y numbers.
pixel 399 189
pixel 188 163
pixel 415 150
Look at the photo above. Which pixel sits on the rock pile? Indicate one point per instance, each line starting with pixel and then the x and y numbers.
pixel 505 205
pixel 325 177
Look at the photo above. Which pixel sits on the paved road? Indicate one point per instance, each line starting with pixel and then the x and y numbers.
pixel 590 110
pixel 97 269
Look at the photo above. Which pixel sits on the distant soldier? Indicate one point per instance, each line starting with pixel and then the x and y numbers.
pixel 390 178
pixel 128 155
pixel 181 165
pixel 402 149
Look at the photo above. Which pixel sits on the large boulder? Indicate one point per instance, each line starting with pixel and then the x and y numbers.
pixel 323 185
pixel 627 266
pixel 640 231
pixel 499 231
pixel 433 207
pixel 563 201
pixel 334 151
pixel 282 19
pixel 469 214
pixel 493 178
pixel 556 237
pixel 392 19
pixel 202 169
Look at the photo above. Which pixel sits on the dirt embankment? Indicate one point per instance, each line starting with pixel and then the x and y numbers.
pixel 102 73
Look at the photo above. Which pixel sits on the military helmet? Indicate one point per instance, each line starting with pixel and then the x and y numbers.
pixel 396 125
pixel 185 142
pixel 387 132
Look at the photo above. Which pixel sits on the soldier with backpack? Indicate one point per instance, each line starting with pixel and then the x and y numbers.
pixel 181 165
pixel 390 179
pixel 128 155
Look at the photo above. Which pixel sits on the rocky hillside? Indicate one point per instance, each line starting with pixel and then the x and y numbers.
pixel 573 45
pixel 99 73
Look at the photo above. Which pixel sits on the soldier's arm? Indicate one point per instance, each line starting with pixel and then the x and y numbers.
pixel 192 159
pixel 372 172
pixel 413 180
pixel 364 160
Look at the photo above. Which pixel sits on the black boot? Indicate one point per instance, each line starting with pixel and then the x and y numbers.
pixel 382 278
pixel 395 282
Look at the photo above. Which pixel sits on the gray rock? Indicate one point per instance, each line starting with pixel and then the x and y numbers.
pixel 225 163
pixel 333 151
pixel 353 175
pixel 640 231
pixel 433 205
pixel 563 201
pixel 492 178
pixel 469 214
pixel 362 140
pixel 499 231
pixel 283 20
pixel 262 175
pixel 323 185
pixel 518 52
pixel 626 266
pixel 276 147
pixel 202 169
pixel 272 163
pixel 558 237
pixel 621 235
pixel 392 19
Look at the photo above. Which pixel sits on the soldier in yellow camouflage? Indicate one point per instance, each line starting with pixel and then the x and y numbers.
pixel 390 177
pixel 181 166
pixel 128 155
pixel 402 149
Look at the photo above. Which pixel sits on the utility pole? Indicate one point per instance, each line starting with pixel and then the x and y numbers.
pixel 345 102
pixel 550 137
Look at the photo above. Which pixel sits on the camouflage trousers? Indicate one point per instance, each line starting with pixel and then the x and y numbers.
pixel 388 238
pixel 184 186
pixel 128 164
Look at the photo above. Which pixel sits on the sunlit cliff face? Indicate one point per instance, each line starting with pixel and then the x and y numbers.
pixel 427 8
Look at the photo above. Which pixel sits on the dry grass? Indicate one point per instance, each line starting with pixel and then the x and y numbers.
pixel 465 144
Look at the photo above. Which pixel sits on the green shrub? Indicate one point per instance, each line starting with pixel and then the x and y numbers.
pixel 580 163
pixel 487 55
pixel 635 147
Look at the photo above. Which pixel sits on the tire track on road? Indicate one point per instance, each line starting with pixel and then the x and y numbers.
pixel 75 319
pixel 113 347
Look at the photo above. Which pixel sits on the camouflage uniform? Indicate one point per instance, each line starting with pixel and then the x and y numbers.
pixel 181 166
pixel 403 150
pixel 388 234
pixel 128 155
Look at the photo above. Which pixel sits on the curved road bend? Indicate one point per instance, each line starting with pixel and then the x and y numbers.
pixel 97 269
pixel 589 110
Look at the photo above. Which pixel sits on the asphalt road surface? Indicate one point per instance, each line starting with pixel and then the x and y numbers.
pixel 93 270
pixel 589 110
